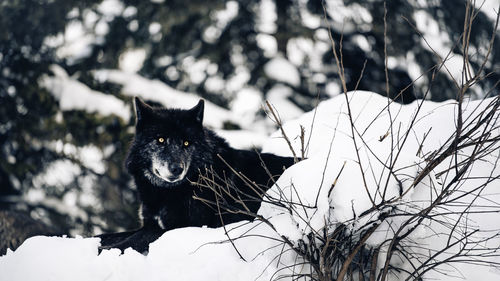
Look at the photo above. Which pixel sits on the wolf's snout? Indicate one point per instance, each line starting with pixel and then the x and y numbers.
pixel 169 172
pixel 176 170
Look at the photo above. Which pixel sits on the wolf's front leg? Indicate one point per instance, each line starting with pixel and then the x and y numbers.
pixel 138 240
pixel 109 239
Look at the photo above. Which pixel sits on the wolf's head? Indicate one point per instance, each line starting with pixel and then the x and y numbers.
pixel 168 144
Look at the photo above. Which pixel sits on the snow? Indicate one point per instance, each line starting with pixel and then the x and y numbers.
pixel 163 61
pixel 62 174
pixel 267 17
pixel 490 8
pixel 81 33
pixel 101 28
pixel 196 70
pixel 332 89
pixel 207 256
pixel 129 12
pixel 154 90
pixel 215 84
pixel 243 139
pixel 154 28
pixel 110 8
pixel 282 70
pixel 438 42
pixel 211 34
pixel 325 189
pixel 362 42
pixel 133 25
pixel 221 19
pixel 309 20
pixel 224 17
pixel 74 95
pixel 237 57
pixel 278 96
pixel 330 151
pixel 58 173
pixel 331 158
pixel 268 44
pixel 298 49
pixel 75 44
pixel 414 70
pixel 302 51
pixel 347 18
pixel 238 80
pixel 90 156
pixel 132 60
pixel 245 106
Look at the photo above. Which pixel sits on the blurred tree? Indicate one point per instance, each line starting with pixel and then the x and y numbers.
pixel 29 123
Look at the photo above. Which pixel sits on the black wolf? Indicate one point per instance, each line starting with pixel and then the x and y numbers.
pixel 186 175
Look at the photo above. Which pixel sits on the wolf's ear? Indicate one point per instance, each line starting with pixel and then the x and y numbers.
pixel 198 111
pixel 141 109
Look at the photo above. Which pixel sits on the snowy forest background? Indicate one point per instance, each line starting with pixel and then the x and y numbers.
pixel 69 70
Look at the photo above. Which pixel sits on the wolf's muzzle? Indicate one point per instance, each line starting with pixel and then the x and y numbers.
pixel 176 170
pixel 169 172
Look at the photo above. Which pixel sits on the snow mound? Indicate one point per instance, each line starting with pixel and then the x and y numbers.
pixel 330 187
pixel 181 254
pixel 317 194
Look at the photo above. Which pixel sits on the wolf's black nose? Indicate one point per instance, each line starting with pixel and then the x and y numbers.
pixel 176 170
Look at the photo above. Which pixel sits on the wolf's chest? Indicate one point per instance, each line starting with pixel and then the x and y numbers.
pixel 189 213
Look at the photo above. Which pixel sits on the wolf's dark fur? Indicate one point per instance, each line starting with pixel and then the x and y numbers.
pixel 170 151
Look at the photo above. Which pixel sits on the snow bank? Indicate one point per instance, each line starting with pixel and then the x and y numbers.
pixel 181 254
pixel 331 186
pixel 326 189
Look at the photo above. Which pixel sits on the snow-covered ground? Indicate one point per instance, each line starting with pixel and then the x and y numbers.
pixel 331 190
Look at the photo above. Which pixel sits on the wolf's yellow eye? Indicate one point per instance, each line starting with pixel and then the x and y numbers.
pixel 161 140
pixel 186 143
